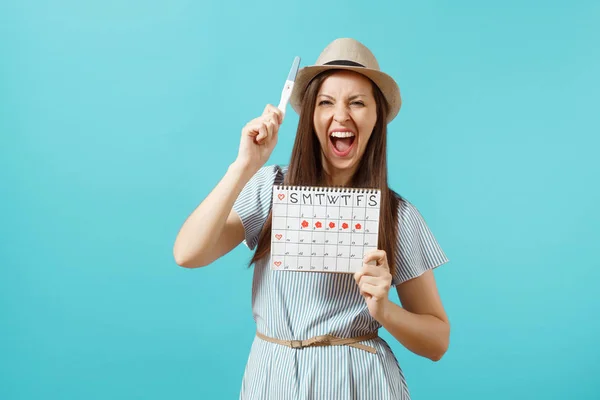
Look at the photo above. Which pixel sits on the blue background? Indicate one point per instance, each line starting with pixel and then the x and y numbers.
pixel 118 118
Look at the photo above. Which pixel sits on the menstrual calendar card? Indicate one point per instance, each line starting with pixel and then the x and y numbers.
pixel 323 229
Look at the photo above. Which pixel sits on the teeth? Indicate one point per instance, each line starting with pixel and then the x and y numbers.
pixel 342 134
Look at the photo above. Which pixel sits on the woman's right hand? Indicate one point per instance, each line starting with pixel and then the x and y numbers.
pixel 259 138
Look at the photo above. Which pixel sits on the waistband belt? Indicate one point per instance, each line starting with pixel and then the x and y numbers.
pixel 325 340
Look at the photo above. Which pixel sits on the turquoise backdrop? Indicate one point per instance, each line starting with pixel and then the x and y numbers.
pixel 117 118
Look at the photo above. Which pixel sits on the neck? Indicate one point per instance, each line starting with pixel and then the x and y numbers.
pixel 338 177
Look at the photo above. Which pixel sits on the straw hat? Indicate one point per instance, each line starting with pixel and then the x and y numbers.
pixel 348 54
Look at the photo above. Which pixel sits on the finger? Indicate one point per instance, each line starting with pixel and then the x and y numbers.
pixel 277 112
pixel 365 289
pixel 270 127
pixel 359 274
pixel 272 123
pixel 372 280
pixel 252 127
pixel 263 133
pixel 369 290
pixel 371 270
pixel 375 255
pixel 383 283
pixel 271 110
pixel 379 256
pixel 267 109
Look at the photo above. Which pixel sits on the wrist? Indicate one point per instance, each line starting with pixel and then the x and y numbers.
pixel 241 169
pixel 386 311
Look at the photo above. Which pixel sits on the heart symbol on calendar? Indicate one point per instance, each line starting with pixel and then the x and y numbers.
pixel 345 225
pixel 279 236
pixel 318 224
pixel 281 196
pixel 277 263
pixel 332 225
pixel 357 226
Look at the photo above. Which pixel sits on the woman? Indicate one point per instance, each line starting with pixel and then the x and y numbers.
pixel 344 103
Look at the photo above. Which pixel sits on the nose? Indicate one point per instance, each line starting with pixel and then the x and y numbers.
pixel 340 113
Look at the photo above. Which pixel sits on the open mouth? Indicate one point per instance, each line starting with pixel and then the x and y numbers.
pixel 342 142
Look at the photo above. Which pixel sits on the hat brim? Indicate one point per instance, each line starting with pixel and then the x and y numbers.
pixel 386 84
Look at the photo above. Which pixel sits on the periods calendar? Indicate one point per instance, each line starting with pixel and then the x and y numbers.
pixel 323 229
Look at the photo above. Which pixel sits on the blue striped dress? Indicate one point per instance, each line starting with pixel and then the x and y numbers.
pixel 299 305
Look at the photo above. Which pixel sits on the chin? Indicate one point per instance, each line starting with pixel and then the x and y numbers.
pixel 341 164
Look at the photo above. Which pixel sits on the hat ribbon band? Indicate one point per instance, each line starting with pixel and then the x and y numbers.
pixel 345 63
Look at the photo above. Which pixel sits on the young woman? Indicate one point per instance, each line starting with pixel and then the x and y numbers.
pixel 317 332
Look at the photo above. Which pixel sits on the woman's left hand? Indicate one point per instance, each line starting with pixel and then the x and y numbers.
pixel 374 282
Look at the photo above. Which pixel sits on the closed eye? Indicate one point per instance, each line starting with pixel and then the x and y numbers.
pixel 358 103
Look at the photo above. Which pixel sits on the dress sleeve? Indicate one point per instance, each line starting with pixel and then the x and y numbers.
pixel 417 248
pixel 254 202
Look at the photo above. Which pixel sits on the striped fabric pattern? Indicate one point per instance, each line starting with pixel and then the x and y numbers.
pixel 293 305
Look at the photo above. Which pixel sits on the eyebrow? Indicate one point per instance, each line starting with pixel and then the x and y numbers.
pixel 350 98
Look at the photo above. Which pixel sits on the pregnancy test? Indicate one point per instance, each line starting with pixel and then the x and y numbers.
pixel 289 85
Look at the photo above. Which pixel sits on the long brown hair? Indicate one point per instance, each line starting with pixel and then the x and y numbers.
pixel 305 168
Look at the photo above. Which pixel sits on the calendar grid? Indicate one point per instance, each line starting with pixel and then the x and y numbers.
pixel 331 237
pixel 305 247
pixel 323 229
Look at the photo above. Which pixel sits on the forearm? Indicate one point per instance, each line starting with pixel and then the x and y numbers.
pixel 425 335
pixel 200 232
